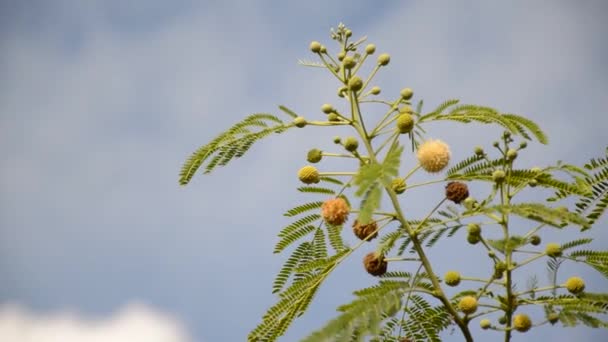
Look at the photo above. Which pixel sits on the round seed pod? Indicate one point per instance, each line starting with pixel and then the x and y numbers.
pixel 535 240
pixel 351 144
pixel 349 62
pixel 364 230
pixel 485 324
pixel 405 123
pixel 575 285
pixel 314 156
pixel 375 90
pixel 370 49
pixel 553 250
pixel 406 93
pixel 335 211
pixel 355 83
pixel 456 192
pixel 375 264
pixel 474 229
pixel 309 175
pixel 451 278
pixel 522 323
pixel 315 47
pixel 299 122
pixel 433 155
pixel 468 304
pixel 384 59
pixel 327 108
pixel 398 185
pixel 499 176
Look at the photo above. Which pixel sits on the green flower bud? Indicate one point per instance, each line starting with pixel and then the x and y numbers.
pixel 398 185
pixel 485 324
pixel 506 134
pixel 355 83
pixel 536 170
pixel 523 145
pixel 315 47
pixel 323 49
pixel 370 49
pixel 299 122
pixel 553 317
pixel 327 108
pixel 384 59
pixel 502 320
pixel 407 93
pixel 351 144
pixel 511 154
pixel 553 250
pixel 451 278
pixel 495 144
pixel 499 268
pixel 348 33
pixel 341 55
pixel 479 151
pixel 535 240
pixel 533 183
pixel 473 239
pixel 499 176
pixel 314 156
pixel 405 123
pixel 341 91
pixel 337 140
pixel 375 91
pixel 406 109
pixel 575 285
pixel 349 62
pixel 474 229
pixel 470 203
pixel 333 117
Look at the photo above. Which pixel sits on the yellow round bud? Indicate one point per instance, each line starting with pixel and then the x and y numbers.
pixel 474 229
pixel 405 123
pixel 553 250
pixel 333 117
pixel 406 109
pixel 433 155
pixel 323 49
pixel 473 239
pixel 553 317
pixel 370 49
pixel 375 90
pixel 327 108
pixel 315 47
pixel 308 174
pixel 485 324
pixel 351 144
pixel 499 176
pixel 398 185
pixel 349 62
pixel 522 323
pixel 384 59
pixel 479 151
pixel 511 154
pixel 407 93
pixel 575 285
pixel 299 122
pixel 355 83
pixel 468 304
pixel 341 56
pixel 451 278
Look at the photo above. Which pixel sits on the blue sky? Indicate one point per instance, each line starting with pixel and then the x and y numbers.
pixel 101 101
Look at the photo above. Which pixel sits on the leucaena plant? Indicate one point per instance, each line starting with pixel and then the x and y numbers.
pixel 411 301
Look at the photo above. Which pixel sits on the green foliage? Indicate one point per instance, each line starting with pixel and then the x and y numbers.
pixel 233 143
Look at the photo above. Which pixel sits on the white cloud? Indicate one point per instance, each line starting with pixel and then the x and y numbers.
pixel 133 323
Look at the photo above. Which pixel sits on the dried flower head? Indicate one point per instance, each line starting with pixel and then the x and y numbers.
pixel 575 285
pixel 364 230
pixel 456 192
pixel 375 264
pixel 522 322
pixel 335 211
pixel 433 155
pixel 308 174
pixel 468 304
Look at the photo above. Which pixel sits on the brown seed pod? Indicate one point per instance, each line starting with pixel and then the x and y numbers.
pixel 364 230
pixel 375 264
pixel 456 192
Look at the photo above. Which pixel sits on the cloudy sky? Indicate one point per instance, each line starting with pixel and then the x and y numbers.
pixel 101 101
